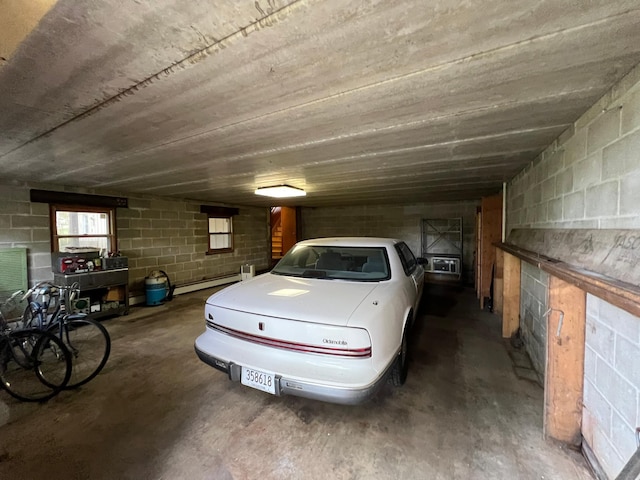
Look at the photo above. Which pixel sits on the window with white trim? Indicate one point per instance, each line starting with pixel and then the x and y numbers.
pixel 220 234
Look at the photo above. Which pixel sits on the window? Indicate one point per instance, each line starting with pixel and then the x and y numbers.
pixel 220 234
pixel 407 258
pixel 74 226
pixel 220 227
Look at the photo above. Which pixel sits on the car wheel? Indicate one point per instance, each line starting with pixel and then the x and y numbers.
pixel 401 365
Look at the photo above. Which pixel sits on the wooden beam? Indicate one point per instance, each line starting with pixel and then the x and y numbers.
pixel 511 295
pixel 621 294
pixel 564 377
pixel 498 283
pixel 490 232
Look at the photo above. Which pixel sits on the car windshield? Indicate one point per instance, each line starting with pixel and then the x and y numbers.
pixel 361 264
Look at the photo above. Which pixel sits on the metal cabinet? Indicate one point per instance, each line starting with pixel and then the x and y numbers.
pixel 99 287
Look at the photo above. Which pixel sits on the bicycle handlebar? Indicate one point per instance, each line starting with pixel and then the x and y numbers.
pixel 29 292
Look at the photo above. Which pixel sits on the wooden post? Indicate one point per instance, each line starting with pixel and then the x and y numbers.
pixel 510 295
pixel 565 362
pixel 498 282
pixel 490 233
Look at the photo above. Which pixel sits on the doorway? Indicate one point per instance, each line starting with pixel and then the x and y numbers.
pixel 283 231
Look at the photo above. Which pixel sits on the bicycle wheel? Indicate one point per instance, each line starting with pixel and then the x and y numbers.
pixel 34 365
pixel 89 344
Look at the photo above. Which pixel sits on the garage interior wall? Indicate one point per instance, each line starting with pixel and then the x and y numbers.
pixel 396 221
pixel 590 178
pixel 154 233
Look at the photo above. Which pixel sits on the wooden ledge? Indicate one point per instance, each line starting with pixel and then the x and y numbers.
pixel 621 294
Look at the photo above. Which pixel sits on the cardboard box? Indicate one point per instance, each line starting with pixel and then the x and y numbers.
pixel 115 294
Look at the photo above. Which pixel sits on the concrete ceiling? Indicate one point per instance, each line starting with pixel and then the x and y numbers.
pixel 357 102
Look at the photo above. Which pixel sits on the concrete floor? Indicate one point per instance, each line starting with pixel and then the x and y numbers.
pixel 157 412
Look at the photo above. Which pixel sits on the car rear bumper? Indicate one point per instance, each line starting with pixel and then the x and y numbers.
pixel 285 385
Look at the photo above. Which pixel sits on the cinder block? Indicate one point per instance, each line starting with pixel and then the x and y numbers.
pixel 593 306
pixel 151 213
pixel 147 262
pixel 554 210
pixel 608 457
pixel 139 204
pixel 623 436
pixel 601 339
pixel 632 221
pixel 630 194
pixel 171 214
pixel 129 233
pixel 587 172
pixel 604 130
pixel 602 200
pixel 564 182
pixel 548 187
pixel 626 360
pixel 620 321
pixel 555 162
pixel 41 209
pixel 541 213
pixel 127 213
pixel 161 242
pixel 573 206
pixel 575 148
pixel 598 406
pixel 622 157
pixel 631 112
pixel 590 359
pixel 29 221
pixel 622 396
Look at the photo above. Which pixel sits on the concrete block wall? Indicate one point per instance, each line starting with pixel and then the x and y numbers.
pixel 590 178
pixel 533 306
pixel 396 221
pixel 612 383
pixel 171 235
pixel 155 233
pixel 26 225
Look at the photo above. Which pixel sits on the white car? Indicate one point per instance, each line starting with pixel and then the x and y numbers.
pixel 329 322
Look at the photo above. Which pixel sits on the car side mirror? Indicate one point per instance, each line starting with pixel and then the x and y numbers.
pixel 423 261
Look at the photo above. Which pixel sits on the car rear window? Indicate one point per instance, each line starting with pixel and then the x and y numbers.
pixel 361 264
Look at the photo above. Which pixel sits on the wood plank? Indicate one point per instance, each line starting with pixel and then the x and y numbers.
pixel 621 294
pixel 511 295
pixel 476 256
pixel 498 283
pixel 611 252
pixel 491 232
pixel 564 378
pixel 288 228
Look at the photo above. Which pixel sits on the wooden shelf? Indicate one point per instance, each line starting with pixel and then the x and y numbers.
pixel 621 294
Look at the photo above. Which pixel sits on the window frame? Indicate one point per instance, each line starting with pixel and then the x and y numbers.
pixel 230 233
pixel 112 237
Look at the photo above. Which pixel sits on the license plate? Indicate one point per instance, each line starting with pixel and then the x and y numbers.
pixel 260 380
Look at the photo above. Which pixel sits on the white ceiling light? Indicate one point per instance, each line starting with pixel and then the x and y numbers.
pixel 280 191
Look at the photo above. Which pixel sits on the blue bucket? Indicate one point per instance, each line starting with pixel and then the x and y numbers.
pixel 156 290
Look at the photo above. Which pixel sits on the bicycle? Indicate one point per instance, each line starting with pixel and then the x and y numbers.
pixel 87 340
pixel 34 365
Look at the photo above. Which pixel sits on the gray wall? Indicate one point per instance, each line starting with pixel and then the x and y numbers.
pixel 590 178
pixel 155 233
pixel 533 306
pixel 395 221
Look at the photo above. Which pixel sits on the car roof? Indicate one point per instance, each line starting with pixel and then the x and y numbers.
pixel 351 241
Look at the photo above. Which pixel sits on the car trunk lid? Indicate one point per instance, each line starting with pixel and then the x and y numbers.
pixel 330 302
